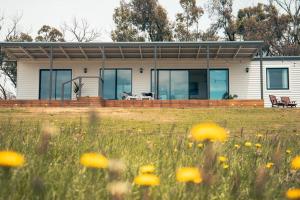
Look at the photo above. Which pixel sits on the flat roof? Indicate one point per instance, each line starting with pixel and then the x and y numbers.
pixel 130 50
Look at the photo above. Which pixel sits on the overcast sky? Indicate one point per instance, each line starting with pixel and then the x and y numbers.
pixel 97 12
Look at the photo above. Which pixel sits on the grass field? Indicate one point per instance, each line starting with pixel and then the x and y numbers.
pixel 148 136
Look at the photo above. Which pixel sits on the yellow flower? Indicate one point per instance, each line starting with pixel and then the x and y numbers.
pixel 11 159
pixel 225 166
pixel 248 144
pixel 237 146
pixel 296 163
pixel 258 145
pixel 269 165
pixel 222 159
pixel 147 169
pixel 190 145
pixel 293 194
pixel 147 180
pixel 208 131
pixel 200 145
pixel 288 151
pixel 259 135
pixel 175 150
pixel 188 174
pixel 94 160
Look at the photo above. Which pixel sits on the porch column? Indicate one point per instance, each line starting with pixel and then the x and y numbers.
pixel 155 74
pixel 208 71
pixel 51 72
pixel 101 77
pixel 261 74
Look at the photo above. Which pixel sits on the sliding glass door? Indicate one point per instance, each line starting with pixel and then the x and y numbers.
pixel 116 82
pixel 58 78
pixel 191 84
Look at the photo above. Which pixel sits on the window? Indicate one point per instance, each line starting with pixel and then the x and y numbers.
pixel 219 84
pixel 116 81
pixel 277 78
pixel 58 78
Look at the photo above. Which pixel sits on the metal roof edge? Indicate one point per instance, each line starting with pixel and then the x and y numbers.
pixel 278 58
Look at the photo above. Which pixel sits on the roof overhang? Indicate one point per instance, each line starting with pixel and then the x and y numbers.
pixel 130 50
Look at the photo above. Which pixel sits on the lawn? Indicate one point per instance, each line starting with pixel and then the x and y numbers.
pixel 53 140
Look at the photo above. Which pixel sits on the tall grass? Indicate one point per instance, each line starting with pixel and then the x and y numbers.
pixel 55 172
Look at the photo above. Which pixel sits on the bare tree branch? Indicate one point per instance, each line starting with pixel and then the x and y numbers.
pixel 12 30
pixel 80 30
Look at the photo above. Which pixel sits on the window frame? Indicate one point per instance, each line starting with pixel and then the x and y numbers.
pixel 40 73
pixel 288 78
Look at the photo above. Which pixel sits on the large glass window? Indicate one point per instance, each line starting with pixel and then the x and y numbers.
pixel 116 82
pixel 58 78
pixel 198 84
pixel 277 78
pixel 219 87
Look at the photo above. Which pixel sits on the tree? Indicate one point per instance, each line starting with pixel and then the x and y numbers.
pixel 125 31
pixel 49 34
pixel 187 20
pixel 81 30
pixel 222 10
pixel 150 17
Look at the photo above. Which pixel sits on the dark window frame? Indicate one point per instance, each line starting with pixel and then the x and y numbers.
pixel 116 81
pixel 40 72
pixel 288 78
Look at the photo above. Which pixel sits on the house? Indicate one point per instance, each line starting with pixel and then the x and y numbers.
pixel 180 72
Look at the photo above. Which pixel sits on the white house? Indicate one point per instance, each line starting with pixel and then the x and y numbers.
pixel 171 70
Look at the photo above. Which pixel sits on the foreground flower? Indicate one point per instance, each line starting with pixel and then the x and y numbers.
pixel 147 180
pixel 258 145
pixel 237 146
pixel 296 163
pixel 94 160
pixel 147 169
pixel 269 165
pixel 190 145
pixel 222 159
pixel 288 151
pixel 11 159
pixel 188 174
pixel 248 144
pixel 225 166
pixel 200 145
pixel 293 194
pixel 209 131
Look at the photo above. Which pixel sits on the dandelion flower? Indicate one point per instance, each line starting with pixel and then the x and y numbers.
pixel 190 145
pixel 293 194
pixel 188 174
pixel 11 159
pixel 222 159
pixel 296 163
pixel 259 135
pixel 147 169
pixel 225 166
pixel 147 180
pixel 200 145
pixel 248 144
pixel 288 151
pixel 269 165
pixel 258 145
pixel 209 131
pixel 94 160
pixel 237 146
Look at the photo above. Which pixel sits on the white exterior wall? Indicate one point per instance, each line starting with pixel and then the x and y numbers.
pixel 245 85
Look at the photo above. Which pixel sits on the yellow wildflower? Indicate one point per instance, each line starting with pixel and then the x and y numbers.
pixel 188 174
pixel 147 180
pixel 200 145
pixel 296 163
pixel 259 135
pixel 269 165
pixel 11 159
pixel 94 160
pixel 175 150
pixel 225 166
pixel 208 131
pixel 293 194
pixel 237 146
pixel 190 145
pixel 147 169
pixel 248 144
pixel 258 145
pixel 288 151
pixel 222 159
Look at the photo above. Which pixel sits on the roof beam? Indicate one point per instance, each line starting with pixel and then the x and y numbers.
pixel 65 53
pixel 83 53
pixel 121 51
pixel 102 51
pixel 141 53
pixel 27 53
pixel 179 52
pixel 160 53
pixel 237 52
pixel 199 50
pixel 219 49
pixel 44 51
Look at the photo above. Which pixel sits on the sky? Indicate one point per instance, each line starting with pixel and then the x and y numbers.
pixel 97 12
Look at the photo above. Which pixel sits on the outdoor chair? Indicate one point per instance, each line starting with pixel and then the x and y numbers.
pixel 275 102
pixel 288 103
pixel 129 96
pixel 147 96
